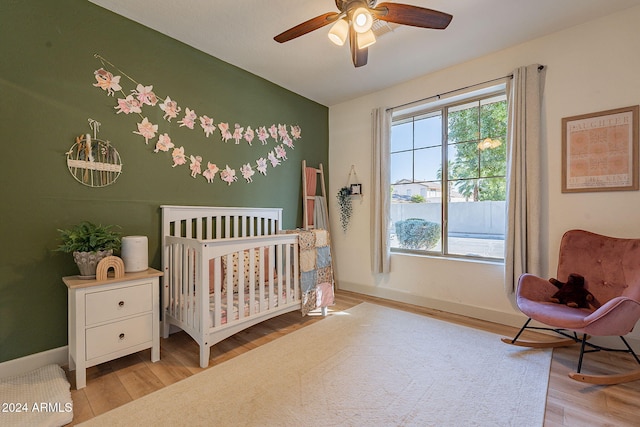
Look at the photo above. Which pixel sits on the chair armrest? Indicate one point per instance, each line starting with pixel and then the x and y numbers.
pixel 617 316
pixel 535 288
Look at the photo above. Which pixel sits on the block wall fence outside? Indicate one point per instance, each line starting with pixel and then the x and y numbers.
pixel 465 218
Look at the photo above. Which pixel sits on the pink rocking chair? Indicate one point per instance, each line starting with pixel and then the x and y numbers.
pixel 611 268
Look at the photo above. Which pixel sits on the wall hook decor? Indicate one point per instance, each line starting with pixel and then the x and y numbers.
pixel 355 187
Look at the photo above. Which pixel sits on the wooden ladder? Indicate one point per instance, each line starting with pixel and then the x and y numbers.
pixel 308 200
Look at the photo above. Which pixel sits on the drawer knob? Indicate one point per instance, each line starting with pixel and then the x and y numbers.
pixel 121 336
pixel 121 304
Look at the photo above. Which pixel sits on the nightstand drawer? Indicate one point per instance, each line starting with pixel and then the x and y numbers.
pixel 113 337
pixel 118 303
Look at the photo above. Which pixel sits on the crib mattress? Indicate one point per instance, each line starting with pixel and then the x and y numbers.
pixel 259 306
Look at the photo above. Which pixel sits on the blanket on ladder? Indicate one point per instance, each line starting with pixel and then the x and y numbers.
pixel 316 270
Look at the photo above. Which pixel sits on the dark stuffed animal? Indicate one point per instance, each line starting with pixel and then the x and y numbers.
pixel 573 293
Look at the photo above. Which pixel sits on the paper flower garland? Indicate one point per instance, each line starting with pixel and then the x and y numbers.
pixel 143 96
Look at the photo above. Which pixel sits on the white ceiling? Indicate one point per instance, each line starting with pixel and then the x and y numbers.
pixel 241 32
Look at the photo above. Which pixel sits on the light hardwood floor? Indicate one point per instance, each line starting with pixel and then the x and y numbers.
pixel 569 403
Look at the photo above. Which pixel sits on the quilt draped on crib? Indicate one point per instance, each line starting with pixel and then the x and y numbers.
pixel 316 270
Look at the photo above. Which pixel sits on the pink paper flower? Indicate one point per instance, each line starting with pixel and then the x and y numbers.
pixel 261 165
pixel 170 109
pixel 273 130
pixel 296 132
pixel 224 131
pixel 249 135
pixel 147 130
pixel 228 175
pixel 189 119
pixel 247 172
pixel 237 133
pixel 178 157
pixel 195 165
pixel 128 105
pixel 164 143
pixel 282 131
pixel 286 140
pixel 280 152
pixel 211 171
pixel 145 95
pixel 107 81
pixel 263 135
pixel 273 159
pixel 208 125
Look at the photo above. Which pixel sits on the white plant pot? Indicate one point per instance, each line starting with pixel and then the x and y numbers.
pixel 88 262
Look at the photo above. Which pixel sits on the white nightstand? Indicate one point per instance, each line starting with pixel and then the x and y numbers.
pixel 112 318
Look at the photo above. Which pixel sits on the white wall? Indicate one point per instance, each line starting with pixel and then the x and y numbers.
pixel 591 67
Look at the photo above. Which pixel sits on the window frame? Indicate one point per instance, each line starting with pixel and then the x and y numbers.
pixel 442 106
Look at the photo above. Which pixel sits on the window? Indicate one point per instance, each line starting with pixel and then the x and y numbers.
pixel 448 184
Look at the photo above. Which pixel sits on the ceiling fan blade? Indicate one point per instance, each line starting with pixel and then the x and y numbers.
pixel 306 27
pixel 358 56
pixel 412 15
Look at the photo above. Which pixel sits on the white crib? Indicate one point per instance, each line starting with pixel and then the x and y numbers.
pixel 210 250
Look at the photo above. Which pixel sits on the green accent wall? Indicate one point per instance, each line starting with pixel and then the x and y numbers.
pixel 46 98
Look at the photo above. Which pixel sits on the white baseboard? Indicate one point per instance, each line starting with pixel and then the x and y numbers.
pixel 58 356
pixel 508 319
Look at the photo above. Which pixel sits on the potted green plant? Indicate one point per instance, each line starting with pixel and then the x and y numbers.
pixel 89 243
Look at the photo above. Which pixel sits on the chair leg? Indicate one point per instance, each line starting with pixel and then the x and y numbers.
pixel 633 353
pixel 584 342
pixel 521 331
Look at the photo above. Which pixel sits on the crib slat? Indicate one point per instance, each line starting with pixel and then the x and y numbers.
pixel 296 272
pixel 280 257
pixel 287 274
pixel 227 227
pixel 261 296
pixel 241 281
pixel 271 274
pixel 217 295
pixel 236 225
pixel 198 228
pixel 252 279
pixel 176 275
pixel 229 285
pixel 252 220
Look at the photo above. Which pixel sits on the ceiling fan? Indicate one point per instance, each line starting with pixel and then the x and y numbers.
pixel 356 18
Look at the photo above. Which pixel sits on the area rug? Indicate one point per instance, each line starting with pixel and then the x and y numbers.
pixel 36 398
pixel 367 366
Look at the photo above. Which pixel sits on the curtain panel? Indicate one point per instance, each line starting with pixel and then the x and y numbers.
pixel 380 190
pixel 523 225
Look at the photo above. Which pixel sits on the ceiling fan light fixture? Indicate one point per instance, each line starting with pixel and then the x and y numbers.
pixel 338 32
pixel 366 39
pixel 361 20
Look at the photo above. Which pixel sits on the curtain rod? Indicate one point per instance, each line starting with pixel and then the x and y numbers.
pixel 438 96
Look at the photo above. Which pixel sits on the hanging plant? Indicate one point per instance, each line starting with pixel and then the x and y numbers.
pixel 344 204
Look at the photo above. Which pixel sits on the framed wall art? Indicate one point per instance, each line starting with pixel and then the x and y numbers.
pixel 600 151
